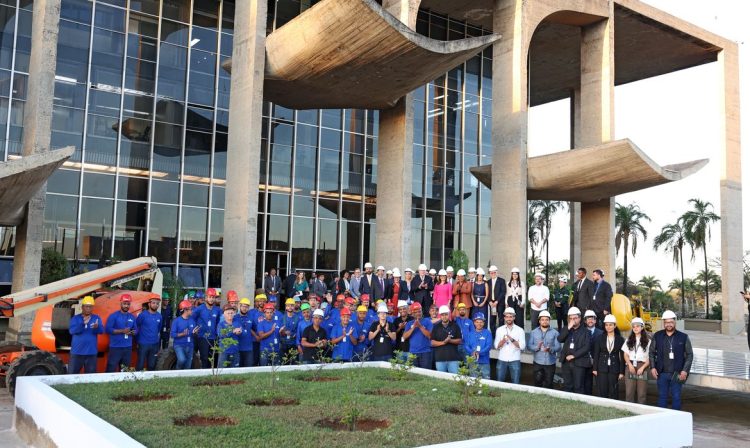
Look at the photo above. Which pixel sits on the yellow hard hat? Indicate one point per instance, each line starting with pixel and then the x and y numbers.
pixel 88 300
pixel 289 302
pixel 362 308
pixel 245 301
pixel 260 296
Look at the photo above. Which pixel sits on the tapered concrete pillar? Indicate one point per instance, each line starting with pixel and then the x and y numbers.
pixel 733 307
pixel 245 118
pixel 596 125
pixel 37 121
pixel 575 207
pixel 395 158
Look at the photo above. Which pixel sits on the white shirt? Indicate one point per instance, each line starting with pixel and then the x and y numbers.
pixel 509 351
pixel 638 354
pixel 538 293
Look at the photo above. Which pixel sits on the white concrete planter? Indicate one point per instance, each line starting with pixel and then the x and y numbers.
pixel 45 417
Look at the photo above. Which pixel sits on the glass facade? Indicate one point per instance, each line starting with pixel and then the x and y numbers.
pixel 141 94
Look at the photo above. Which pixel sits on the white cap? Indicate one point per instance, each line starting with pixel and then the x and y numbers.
pixel 610 319
pixel 449 269
pixel 389 272
pixel 422 267
pixel 480 271
pixel 509 310
pixel 402 304
pixel 472 269
pixel 573 311
pixel 589 313
pixel 668 315
pixel 396 272
pixel 408 270
pixel 382 308
pixel 539 274
pixel 544 313
pixel 380 268
pixel 433 272
pixel 636 321
pixel 442 272
pixel 516 270
pixel 319 312
pixel 563 278
pixel 368 265
pixel 444 310
pixel 461 272
pixel 493 268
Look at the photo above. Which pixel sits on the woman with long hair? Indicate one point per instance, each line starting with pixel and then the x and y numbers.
pixel 515 295
pixel 609 367
pixel 635 351
pixel 443 291
pixel 480 294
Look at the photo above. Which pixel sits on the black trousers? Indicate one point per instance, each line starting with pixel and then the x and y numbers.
pixel 543 375
pixel 607 384
pixel 562 313
pixel 588 381
pixel 573 377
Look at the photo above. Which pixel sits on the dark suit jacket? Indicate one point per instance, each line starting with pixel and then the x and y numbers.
pixel 341 286
pixel 500 288
pixel 422 296
pixel 320 289
pixel 372 288
pixel 581 339
pixel 602 299
pixel 289 285
pixel 582 298
pixel 272 283
pixel 403 294
pixel 601 355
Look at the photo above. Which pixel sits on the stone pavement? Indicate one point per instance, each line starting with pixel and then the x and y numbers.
pixel 705 339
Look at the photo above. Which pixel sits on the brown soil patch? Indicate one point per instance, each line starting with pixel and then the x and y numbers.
pixel 494 394
pixel 390 392
pixel 142 397
pixel 319 379
pixel 280 401
pixel 223 382
pixel 471 411
pixel 363 424
pixel 202 420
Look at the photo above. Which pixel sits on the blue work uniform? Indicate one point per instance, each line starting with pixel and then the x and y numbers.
pixel 246 339
pixel 229 352
pixel 166 325
pixel 419 344
pixel 207 318
pixel 83 347
pixel 271 344
pixel 149 335
pixel 183 345
pixel 120 345
pixel 344 350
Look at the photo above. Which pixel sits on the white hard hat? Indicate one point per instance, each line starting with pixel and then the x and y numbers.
pixel 319 312
pixel 442 272
pixel 472 269
pixel 433 272
pixel 402 304
pixel 389 272
pixel 636 321
pixel 610 319
pixel 563 278
pixel 668 315
pixel 539 274
pixel 573 311
pixel 449 269
pixel 516 270
pixel 368 265
pixel 545 313
pixel 444 310
pixel 589 313
pixel 380 268
pixel 493 268
pixel 509 310
pixel 480 271
pixel 461 272
pixel 422 267
pixel 396 272
pixel 382 308
pixel 408 270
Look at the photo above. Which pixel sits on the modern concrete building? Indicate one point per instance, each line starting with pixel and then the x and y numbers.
pixel 353 132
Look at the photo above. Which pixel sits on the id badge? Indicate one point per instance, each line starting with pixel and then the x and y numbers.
pixel 209 323
pixel 381 339
pixel 402 340
pixel 671 355
pixel 609 361
pixel 188 339
pixel 275 341
pixel 479 349
pixel 572 345
pixel 126 336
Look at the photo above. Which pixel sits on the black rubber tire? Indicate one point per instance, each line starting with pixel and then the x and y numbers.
pixel 35 362
pixel 9 346
pixel 167 360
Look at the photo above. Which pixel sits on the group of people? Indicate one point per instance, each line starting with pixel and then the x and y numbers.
pixel 434 322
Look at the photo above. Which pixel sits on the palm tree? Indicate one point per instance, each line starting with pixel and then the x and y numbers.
pixel 629 228
pixel 697 223
pixel 533 235
pixel 713 280
pixel 544 210
pixel 649 283
pixel 672 238
pixel 691 286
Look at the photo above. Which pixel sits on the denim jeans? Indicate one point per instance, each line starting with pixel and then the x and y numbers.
pixel 184 356
pixel 87 362
pixel 423 360
pixel 147 355
pixel 246 358
pixel 513 366
pixel 447 366
pixel 229 360
pixel 668 388
pixel 118 357
pixel 483 370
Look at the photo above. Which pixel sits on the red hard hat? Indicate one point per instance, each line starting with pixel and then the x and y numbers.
pixel 211 292
pixel 416 307
pixel 340 297
pixel 126 298
pixel 349 301
pixel 185 304
pixel 269 306
pixel 232 294
pixel 364 297
pixel 346 312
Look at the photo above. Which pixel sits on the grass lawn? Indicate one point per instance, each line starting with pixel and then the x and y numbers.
pixel 415 419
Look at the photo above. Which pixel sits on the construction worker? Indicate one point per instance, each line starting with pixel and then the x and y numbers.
pixel 183 332
pixel 84 328
pixel 206 316
pixel 343 337
pixel 314 339
pixel 478 343
pixel 268 334
pixel 121 328
pixel 402 344
pixel 245 338
pixel 256 315
pixel 543 342
pixel 228 333
pixel 445 339
pixel 197 297
pixel 382 335
pixel 574 356
pixel 418 333
pixel 361 329
pixel 671 356
pixel 149 334
pixel 167 315
pixel 288 330
pixel 466 324
pixel 233 299
pixel 304 322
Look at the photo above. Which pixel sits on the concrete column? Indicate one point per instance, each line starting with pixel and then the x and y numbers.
pixel 733 307
pixel 37 122
pixel 509 137
pixel 395 158
pixel 596 126
pixel 575 207
pixel 245 118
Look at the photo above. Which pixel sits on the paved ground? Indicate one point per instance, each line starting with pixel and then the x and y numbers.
pixel 704 339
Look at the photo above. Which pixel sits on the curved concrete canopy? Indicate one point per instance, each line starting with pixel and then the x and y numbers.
pixel 594 173
pixel 21 178
pixel 354 54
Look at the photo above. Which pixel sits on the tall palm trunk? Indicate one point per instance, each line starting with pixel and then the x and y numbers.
pixel 705 264
pixel 546 255
pixel 625 266
pixel 682 283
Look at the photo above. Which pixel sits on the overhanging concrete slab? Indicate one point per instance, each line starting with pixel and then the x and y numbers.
pixel 563 176
pixel 354 54
pixel 21 178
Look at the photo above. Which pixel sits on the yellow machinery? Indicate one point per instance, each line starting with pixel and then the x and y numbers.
pixel 622 310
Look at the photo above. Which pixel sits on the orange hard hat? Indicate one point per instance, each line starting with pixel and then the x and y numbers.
pixel 346 312
pixel 185 304
pixel 126 298
pixel 340 297
pixel 416 307
pixel 269 306
pixel 364 297
pixel 211 292
pixel 232 294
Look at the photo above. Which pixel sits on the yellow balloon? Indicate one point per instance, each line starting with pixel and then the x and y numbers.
pixel 622 311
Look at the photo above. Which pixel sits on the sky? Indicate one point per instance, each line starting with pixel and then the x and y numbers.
pixel 673 118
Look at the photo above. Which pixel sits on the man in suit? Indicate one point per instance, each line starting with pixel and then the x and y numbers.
pixel 355 282
pixel 289 284
pixel 378 285
pixel 601 301
pixel 574 357
pixel 319 287
pixel 422 286
pixel 591 327
pixel 366 284
pixel 497 298
pixel 583 291
pixel 272 283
